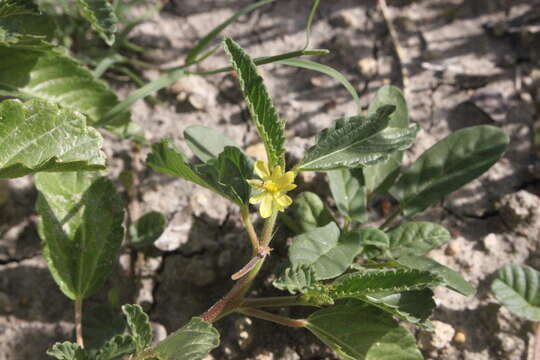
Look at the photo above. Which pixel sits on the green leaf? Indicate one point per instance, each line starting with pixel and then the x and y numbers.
pixel 413 306
pixel 263 112
pixel 40 136
pixel 58 79
pixel 100 324
pixel 226 175
pixel 357 332
pixel 67 351
pixel 203 43
pixel 295 280
pixel 447 166
pixel 381 176
pixel 206 143
pixel 117 346
pixel 147 229
pixel 309 212
pixel 81 229
pixel 17 7
pixel 518 288
pixel 347 187
pixel 361 283
pixel 373 241
pixel 100 14
pixel 191 342
pixel 325 69
pixel 416 238
pixel 340 146
pixel 139 326
pixel 324 251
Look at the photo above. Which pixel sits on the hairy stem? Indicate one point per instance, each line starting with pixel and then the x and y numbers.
pixel 277 301
pixel 250 230
pixel 268 229
pixel 278 319
pixel 78 322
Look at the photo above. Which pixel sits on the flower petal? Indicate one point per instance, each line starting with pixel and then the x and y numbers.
pixel 283 200
pixel 256 183
pixel 288 188
pixel 261 169
pixel 267 206
pixel 277 173
pixel 255 199
pixel 286 179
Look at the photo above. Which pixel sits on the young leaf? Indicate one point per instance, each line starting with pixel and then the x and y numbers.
pixel 191 342
pixel 139 326
pixel 447 166
pixel 414 306
pixel 203 43
pixel 324 251
pixel 309 212
pixel 67 351
pixel 225 175
pixel 349 192
pixel 147 229
pixel 206 143
pixel 325 69
pixel 361 283
pixel 357 332
pixel 381 176
pixel 295 279
pixel 416 238
pixel 374 242
pixel 100 14
pixel 263 112
pixel 100 324
pixel 340 146
pixel 117 346
pixel 81 229
pixel 451 279
pixel 518 288
pixel 59 79
pixel 40 136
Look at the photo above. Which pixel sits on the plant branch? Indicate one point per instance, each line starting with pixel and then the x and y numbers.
pixel 78 322
pixel 277 301
pixel 250 230
pixel 278 319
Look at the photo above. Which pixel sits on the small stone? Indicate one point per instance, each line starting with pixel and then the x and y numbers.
pixel 439 338
pixel 521 212
pixel 367 67
pixel 257 151
pixel 452 249
pixel 460 337
pixel 195 91
pixel 491 243
pixel 159 331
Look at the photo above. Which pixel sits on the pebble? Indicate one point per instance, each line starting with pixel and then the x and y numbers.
pixel 452 249
pixel 439 338
pixel 460 337
pixel 367 66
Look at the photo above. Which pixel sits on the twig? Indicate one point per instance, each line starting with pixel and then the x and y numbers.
pixel 78 322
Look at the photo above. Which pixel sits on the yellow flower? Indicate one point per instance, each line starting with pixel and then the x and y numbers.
pixel 274 186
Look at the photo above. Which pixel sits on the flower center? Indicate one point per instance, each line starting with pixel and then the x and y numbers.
pixel 271 187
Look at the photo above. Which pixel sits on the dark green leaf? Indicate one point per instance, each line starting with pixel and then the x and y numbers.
pixel 67 351
pixel 324 251
pixel 81 229
pixel 341 145
pixel 295 280
pixel 117 346
pixel 384 280
pixel 191 342
pixel 349 192
pixel 374 242
pixel 325 69
pixel 139 326
pixel 58 79
pixel 206 143
pixel 309 212
pixel 100 324
pixel 147 229
pixel 413 306
pixel 100 14
pixel 40 136
pixel 447 166
pixel 416 238
pixel 263 112
pixel 381 176
pixel 451 279
pixel 518 288
pixel 357 332
pixel 202 44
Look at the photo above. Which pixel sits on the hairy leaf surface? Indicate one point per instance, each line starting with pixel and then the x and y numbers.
pixel 308 212
pixel 416 238
pixel 295 279
pixel 100 14
pixel 349 192
pixel 139 326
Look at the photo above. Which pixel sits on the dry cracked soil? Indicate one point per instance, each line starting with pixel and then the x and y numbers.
pixel 460 63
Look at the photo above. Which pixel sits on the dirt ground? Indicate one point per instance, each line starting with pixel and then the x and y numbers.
pixel 461 63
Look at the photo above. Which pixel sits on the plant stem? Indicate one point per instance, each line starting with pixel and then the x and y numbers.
pixel 391 218
pixel 78 322
pixel 277 301
pixel 536 347
pixel 250 230
pixel 282 320
pixel 268 228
